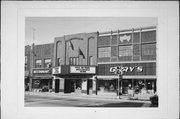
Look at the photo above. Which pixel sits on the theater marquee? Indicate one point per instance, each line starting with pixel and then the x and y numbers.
pixel 83 69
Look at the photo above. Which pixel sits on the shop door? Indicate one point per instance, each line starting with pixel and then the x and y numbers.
pixel 67 86
pixel 89 87
pixel 57 86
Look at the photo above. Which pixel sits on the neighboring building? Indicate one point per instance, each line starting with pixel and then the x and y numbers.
pixel 27 67
pixel 135 51
pixel 41 66
pixel 86 66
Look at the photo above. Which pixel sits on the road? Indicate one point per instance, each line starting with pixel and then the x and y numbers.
pixel 47 101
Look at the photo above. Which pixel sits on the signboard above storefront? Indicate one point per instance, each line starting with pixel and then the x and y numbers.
pixel 41 71
pixel 56 70
pixel 128 68
pixel 83 69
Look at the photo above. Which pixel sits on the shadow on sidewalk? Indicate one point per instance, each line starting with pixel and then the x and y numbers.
pixel 122 104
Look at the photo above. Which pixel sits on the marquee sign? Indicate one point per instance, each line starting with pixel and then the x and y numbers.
pixel 83 69
pixel 56 70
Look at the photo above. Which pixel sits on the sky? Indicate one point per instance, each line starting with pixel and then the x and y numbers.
pixel 47 28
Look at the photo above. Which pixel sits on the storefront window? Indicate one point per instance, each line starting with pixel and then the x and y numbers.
pixel 38 63
pixel 107 85
pixel 47 63
pixel 104 52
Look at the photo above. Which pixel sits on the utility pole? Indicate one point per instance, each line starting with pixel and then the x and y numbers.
pixel 32 61
pixel 119 72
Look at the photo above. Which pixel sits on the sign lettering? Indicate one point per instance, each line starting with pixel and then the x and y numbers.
pixel 83 69
pixel 126 69
pixel 41 71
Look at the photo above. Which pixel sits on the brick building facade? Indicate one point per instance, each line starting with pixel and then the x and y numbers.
pixel 40 61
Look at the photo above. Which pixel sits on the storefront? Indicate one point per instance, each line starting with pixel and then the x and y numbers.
pixel 137 77
pixel 42 79
pixel 26 81
pixel 74 79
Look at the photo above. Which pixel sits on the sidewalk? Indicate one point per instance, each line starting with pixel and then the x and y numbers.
pixel 81 95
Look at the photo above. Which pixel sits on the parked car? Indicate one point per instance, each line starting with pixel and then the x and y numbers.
pixel 154 99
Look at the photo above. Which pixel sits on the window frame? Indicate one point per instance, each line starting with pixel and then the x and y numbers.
pixel 37 66
pixel 105 54
pixel 45 64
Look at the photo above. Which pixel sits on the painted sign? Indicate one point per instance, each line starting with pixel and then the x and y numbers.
pixel 126 69
pixel 125 38
pixel 83 69
pixel 41 71
pixel 56 70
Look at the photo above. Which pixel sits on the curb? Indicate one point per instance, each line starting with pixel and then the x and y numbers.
pixel 86 97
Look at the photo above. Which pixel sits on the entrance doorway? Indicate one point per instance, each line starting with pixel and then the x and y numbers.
pixel 72 85
pixel 89 87
pixel 69 86
pixel 57 85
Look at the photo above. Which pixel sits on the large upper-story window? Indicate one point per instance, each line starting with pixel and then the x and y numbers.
pixel 38 63
pixel 149 51
pixel 125 53
pixel 73 60
pixel 26 60
pixel 104 52
pixel 91 60
pixel 60 61
pixel 47 63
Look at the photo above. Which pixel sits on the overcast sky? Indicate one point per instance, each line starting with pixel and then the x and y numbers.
pixel 47 28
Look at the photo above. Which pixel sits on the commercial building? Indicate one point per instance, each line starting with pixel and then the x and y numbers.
pixel 27 67
pixel 85 63
pixel 134 51
pixel 41 67
pixel 75 64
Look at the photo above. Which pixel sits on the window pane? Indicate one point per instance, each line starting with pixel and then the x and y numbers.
pixel 148 51
pixel 38 63
pixel 148 36
pixel 136 37
pixel 59 61
pixel 104 52
pixel 114 40
pixel 104 41
pixel 91 60
pixel 125 53
pixel 47 63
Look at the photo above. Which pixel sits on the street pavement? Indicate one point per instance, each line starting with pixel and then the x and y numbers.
pixel 70 100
